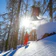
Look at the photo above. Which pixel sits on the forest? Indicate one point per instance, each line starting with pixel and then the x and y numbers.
pixel 11 34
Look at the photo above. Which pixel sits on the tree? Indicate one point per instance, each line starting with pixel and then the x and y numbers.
pixel 14 8
pixel 4 29
pixel 46 6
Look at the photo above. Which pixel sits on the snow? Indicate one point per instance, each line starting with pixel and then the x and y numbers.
pixel 44 47
pixel 46 28
pixel 4 53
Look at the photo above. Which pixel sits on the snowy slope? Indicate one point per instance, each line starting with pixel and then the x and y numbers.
pixel 44 47
pixel 46 28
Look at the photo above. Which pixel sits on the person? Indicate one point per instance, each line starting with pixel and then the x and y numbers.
pixel 26 38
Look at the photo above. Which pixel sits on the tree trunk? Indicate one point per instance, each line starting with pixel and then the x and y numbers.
pixel 50 8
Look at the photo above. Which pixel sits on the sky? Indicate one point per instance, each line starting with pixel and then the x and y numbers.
pixel 2 8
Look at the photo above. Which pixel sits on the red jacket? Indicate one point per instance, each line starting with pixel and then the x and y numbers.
pixel 26 37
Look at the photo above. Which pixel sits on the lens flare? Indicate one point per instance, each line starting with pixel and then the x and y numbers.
pixel 25 22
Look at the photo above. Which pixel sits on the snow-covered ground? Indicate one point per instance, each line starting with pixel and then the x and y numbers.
pixel 49 27
pixel 44 47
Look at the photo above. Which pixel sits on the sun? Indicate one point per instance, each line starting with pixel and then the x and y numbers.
pixel 25 22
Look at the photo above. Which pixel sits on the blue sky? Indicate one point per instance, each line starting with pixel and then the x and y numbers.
pixel 2 6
